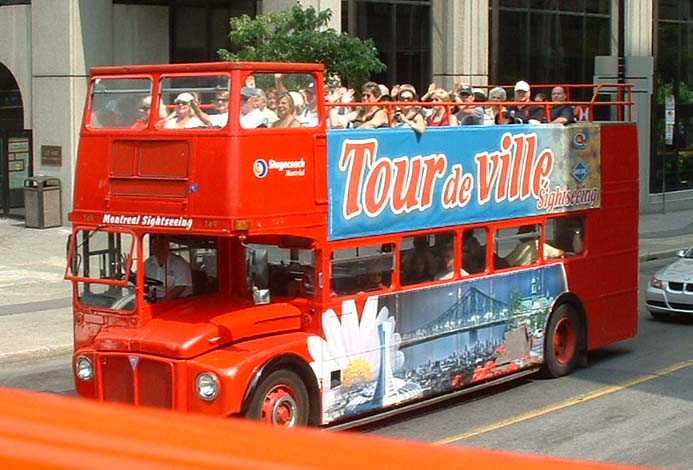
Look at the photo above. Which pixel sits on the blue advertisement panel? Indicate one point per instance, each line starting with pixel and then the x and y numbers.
pixel 394 180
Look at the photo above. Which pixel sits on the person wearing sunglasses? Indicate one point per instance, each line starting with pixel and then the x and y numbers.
pixel 221 118
pixel 407 114
pixel 441 115
pixel 366 117
pixel 184 115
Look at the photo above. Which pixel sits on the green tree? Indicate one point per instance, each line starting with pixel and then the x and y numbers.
pixel 302 35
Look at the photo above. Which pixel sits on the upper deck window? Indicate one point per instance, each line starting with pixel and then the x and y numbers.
pixel 120 103
pixel 194 102
pixel 279 100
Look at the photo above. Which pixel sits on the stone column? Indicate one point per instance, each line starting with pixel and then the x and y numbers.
pixel 460 42
pixel 68 37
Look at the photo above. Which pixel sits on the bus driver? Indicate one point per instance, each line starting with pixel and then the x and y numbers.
pixel 168 268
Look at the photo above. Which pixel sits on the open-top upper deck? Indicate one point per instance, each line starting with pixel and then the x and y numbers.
pixel 217 166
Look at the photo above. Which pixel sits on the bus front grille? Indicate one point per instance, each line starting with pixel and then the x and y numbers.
pixel 128 378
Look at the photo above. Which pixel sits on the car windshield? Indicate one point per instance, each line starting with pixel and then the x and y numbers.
pixel 688 253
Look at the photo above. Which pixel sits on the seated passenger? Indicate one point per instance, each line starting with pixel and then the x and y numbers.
pixel 473 254
pixel 419 269
pixel 184 116
pixel 422 249
pixel 251 116
pixel 170 269
pixel 409 115
pixel 526 251
pixel 441 114
pixel 262 106
pixel 309 113
pixel 221 118
pixel 145 108
pixel 366 117
pixel 286 112
pixel 448 271
pixel 374 281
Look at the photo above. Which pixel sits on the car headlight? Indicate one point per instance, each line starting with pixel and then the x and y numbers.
pixel 656 283
pixel 84 368
pixel 207 386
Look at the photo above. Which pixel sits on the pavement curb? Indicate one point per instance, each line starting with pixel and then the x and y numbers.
pixel 38 353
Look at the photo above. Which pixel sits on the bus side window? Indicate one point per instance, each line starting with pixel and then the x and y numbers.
pixel 474 251
pixel 417 261
pixel 518 246
pixel 567 233
pixel 362 269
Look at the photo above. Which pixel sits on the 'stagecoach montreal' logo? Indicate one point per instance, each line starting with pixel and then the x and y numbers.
pixel 260 168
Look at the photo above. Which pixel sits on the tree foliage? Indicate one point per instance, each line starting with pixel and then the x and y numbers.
pixel 302 35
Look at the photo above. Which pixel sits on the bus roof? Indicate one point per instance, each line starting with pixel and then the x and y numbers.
pixel 207 67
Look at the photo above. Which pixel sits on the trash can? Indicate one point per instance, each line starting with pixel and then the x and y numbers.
pixel 42 203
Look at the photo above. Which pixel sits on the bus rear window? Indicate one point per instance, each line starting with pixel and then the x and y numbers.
pixel 120 103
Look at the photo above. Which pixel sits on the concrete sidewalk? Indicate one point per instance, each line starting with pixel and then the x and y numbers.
pixel 35 300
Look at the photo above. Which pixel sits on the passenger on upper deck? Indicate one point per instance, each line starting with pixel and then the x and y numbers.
pixel 145 108
pixel 215 120
pixel 262 106
pixel 409 115
pixel 309 114
pixel 183 117
pixel 338 116
pixel 286 112
pixel 441 115
pixel 564 113
pixel 469 113
pixel 171 270
pixel 251 116
pixel 524 113
pixel 495 113
pixel 367 116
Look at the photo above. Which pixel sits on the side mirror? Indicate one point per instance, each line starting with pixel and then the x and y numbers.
pixel 257 260
pixel 259 268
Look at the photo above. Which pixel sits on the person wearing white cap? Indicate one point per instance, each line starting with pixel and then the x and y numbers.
pixel 524 113
pixel 184 117
pixel 251 116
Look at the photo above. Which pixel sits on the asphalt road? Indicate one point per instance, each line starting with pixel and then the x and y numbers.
pixel 632 405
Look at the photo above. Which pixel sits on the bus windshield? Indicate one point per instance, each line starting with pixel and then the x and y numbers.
pixel 102 263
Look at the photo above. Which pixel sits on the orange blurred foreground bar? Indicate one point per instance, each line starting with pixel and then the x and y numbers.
pixel 42 431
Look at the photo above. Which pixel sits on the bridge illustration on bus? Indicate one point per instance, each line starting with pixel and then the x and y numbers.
pixel 308 275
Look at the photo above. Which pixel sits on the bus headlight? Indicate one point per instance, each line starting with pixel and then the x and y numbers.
pixel 656 283
pixel 207 386
pixel 84 368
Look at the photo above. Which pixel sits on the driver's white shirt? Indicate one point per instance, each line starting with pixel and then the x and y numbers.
pixel 176 272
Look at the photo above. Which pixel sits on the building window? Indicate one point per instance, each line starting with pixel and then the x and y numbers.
pixel 200 28
pixel 556 34
pixel 671 165
pixel 401 31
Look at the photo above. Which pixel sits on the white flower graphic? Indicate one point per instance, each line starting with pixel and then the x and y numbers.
pixel 350 345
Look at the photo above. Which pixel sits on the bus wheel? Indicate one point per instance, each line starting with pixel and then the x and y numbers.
pixel 562 342
pixel 281 399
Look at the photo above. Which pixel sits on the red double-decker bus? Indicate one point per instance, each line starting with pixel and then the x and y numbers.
pixel 227 265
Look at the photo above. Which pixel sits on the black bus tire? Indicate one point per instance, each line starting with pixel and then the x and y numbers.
pixel 281 399
pixel 562 342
